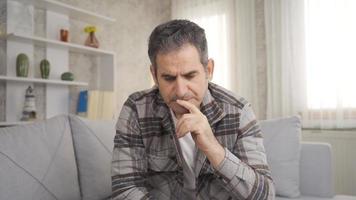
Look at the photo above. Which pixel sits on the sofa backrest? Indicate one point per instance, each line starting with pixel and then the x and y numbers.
pixel 37 161
pixel 93 144
pixel 316 171
pixel 282 144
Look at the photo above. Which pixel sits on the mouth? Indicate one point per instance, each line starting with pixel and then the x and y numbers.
pixel 178 109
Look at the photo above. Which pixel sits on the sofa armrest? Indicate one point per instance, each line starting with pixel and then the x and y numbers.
pixel 316 171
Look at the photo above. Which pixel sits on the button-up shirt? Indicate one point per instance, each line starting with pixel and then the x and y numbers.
pixel 148 160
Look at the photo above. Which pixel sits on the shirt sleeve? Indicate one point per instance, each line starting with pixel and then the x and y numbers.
pixel 244 171
pixel 129 163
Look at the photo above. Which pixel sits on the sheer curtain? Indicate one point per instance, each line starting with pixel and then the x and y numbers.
pixel 230 31
pixel 246 55
pixel 215 16
pixel 331 64
pixel 285 57
pixel 310 46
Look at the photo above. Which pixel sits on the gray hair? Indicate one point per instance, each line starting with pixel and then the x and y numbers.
pixel 174 34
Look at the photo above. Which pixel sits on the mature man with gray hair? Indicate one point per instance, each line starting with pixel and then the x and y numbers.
pixel 187 138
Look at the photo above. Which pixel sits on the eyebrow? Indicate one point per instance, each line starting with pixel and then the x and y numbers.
pixel 186 74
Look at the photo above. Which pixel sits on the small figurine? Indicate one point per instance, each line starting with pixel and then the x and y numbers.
pixel 29 110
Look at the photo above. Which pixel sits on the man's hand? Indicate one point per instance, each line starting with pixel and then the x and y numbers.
pixel 197 124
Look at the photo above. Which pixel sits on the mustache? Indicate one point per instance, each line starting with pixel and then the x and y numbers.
pixel 186 97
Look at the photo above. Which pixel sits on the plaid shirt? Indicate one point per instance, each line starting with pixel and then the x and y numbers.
pixel 148 162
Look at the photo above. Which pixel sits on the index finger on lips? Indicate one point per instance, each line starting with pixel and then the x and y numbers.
pixel 186 104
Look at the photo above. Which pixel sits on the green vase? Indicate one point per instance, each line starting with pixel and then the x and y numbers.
pixel 22 65
pixel 45 67
pixel 67 76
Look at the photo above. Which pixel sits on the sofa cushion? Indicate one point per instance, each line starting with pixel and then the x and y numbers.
pixel 94 142
pixel 282 143
pixel 337 197
pixel 37 161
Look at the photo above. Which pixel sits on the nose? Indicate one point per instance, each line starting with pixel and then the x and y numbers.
pixel 181 88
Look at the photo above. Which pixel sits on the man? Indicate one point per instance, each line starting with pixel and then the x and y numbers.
pixel 187 138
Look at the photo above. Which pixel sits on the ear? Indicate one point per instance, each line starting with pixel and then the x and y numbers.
pixel 153 73
pixel 210 69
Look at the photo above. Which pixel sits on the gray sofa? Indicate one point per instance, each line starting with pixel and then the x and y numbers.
pixel 69 158
pixel 316 177
pixel 301 171
pixel 63 158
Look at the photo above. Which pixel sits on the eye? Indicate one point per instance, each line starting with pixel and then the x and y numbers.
pixel 169 78
pixel 190 75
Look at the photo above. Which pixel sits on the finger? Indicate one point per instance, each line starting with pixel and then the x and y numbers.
pixel 181 120
pixel 183 127
pixel 182 135
pixel 186 104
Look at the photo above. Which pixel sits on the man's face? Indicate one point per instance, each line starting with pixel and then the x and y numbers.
pixel 180 75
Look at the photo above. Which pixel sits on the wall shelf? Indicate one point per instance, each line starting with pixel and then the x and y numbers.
pixel 58 96
pixel 45 81
pixel 71 11
pixel 48 42
pixel 15 123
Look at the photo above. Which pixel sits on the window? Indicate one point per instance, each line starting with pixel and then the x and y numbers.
pixel 216 33
pixel 331 54
pixel 215 17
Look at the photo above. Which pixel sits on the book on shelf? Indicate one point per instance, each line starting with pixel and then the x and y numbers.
pixel 95 104
pixel 82 106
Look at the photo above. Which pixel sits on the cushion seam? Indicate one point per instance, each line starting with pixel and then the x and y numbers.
pixel 92 133
pixel 27 172
pixel 76 159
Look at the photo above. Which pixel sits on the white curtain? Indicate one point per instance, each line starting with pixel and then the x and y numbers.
pixel 310 45
pixel 215 16
pixel 230 31
pixel 285 57
pixel 246 55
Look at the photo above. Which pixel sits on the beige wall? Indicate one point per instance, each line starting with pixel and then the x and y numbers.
pixel 127 37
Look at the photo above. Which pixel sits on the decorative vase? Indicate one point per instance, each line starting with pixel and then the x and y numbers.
pixel 67 76
pixel 22 65
pixel 45 67
pixel 92 41
pixel 64 35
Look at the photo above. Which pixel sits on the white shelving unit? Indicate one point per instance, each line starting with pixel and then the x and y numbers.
pixel 45 81
pixel 44 42
pixel 70 11
pixel 20 39
pixel 13 123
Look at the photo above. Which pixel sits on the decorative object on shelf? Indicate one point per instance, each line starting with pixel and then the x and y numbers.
pixel 29 109
pixel 64 34
pixel 91 40
pixel 82 106
pixel 67 76
pixel 22 65
pixel 45 67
